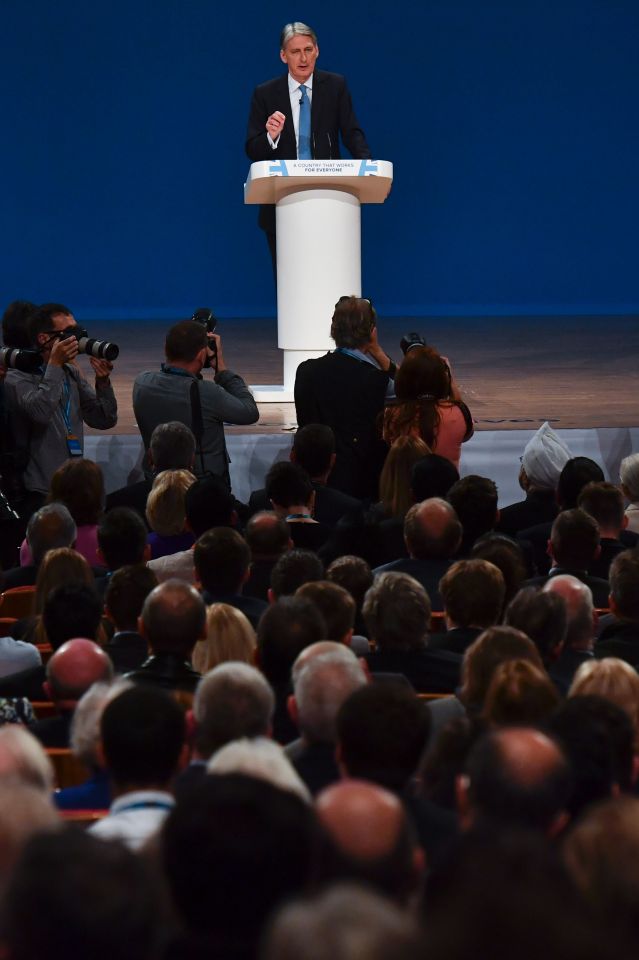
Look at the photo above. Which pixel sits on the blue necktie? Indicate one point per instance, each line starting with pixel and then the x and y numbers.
pixel 304 146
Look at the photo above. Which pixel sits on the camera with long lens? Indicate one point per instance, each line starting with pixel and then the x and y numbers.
pixel 18 358
pixel 411 340
pixel 100 349
pixel 205 317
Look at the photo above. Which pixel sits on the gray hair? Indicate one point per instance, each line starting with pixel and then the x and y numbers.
pixel 23 759
pixel 260 758
pixel 296 29
pixel 172 446
pixel 232 700
pixel 345 922
pixel 321 687
pixel 397 612
pixel 50 527
pixel 629 475
pixel 85 725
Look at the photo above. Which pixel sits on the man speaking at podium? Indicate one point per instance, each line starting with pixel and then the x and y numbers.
pixel 301 115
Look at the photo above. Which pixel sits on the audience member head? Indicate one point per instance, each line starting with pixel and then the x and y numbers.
pixel 472 592
pixel 233 851
pixel 369 840
pixel 79 485
pixel 352 573
pixel 629 476
pixel 614 680
pixel 507 556
pixel 43 319
pixel 60 566
pixel 542 616
pixel 574 540
pixel 382 729
pixel 288 626
pixel 222 561
pixel 165 509
pixel 262 759
pixel 343 923
pixel 314 449
pixel 395 479
pixel 604 502
pixel 353 322
pixel 142 736
pixel 432 529
pixel 71 610
pixel 397 612
pixel 520 694
pixel 287 485
pixel 518 777
pixel 573 478
pixel 50 527
pixel 172 447
pixel 122 538
pixel 15 324
pixel 209 503
pixel 475 502
pixel 336 606
pixel 126 592
pixel 580 613
pixel 85 725
pixel 490 649
pixel 103 896
pixel 173 618
pixel 267 535
pixel 422 381
pixel 602 855
pixel 23 760
pixel 432 476
pixel 294 568
pixel 185 341
pixel 231 701
pixel 24 811
pixel 545 455
pixel 598 739
pixel 229 636
pixel 624 585
pixel 322 681
pixel 73 668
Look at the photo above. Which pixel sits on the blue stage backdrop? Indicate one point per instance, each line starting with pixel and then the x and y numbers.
pixel 512 127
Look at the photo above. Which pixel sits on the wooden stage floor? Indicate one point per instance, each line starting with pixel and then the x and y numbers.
pixel 514 372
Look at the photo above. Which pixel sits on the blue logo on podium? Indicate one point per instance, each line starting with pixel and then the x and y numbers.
pixel 367 168
pixel 278 169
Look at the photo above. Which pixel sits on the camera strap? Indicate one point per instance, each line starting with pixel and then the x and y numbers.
pixel 197 422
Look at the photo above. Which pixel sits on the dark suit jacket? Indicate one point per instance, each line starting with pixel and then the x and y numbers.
pixel 620 639
pixel 330 504
pixel 429 671
pixel 600 588
pixel 133 496
pixel 332 115
pixel 348 395
pixel 540 506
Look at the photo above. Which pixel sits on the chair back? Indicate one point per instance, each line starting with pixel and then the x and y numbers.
pixel 69 771
pixel 17 602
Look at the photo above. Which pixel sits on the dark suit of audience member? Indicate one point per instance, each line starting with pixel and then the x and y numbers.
pixel 620 635
pixel 222 562
pixel 473 597
pixel 544 457
pixel 128 650
pixel 540 506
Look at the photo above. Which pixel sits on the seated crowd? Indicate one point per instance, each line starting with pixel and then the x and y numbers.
pixel 317 725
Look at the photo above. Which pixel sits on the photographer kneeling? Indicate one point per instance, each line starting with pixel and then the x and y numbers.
pixel 48 407
pixel 178 392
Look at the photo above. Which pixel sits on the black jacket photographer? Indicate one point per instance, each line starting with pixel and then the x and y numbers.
pixel 49 406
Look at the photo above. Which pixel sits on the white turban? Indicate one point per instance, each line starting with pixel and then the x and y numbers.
pixel 545 456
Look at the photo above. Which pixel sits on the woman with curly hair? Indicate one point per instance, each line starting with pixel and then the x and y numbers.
pixel 428 405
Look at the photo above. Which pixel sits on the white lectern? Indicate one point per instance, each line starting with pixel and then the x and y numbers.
pixel 318 247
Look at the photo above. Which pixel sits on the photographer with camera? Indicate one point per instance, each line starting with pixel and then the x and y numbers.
pixel 179 392
pixel 48 406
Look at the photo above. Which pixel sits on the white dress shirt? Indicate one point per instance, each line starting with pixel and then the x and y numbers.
pixel 295 94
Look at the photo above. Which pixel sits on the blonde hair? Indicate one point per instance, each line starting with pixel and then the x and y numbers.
pixel 614 680
pixel 519 693
pixel 229 636
pixel 395 479
pixel 165 508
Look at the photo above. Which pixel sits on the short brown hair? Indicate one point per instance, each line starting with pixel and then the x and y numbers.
pixel 574 539
pixel 334 603
pixel 79 485
pixel 184 341
pixel 353 322
pixel 482 658
pixel 473 593
pixel 519 693
pixel 624 584
pixel 604 502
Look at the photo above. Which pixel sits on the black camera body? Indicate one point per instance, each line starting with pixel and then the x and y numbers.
pixel 410 340
pixel 205 317
pixel 101 349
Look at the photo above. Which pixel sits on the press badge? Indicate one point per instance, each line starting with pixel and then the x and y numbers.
pixel 73 445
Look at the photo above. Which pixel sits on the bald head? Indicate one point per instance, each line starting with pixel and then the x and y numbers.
pixel 432 529
pixel 267 535
pixel 516 776
pixel 76 666
pixel 579 609
pixel 173 618
pixel 370 836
